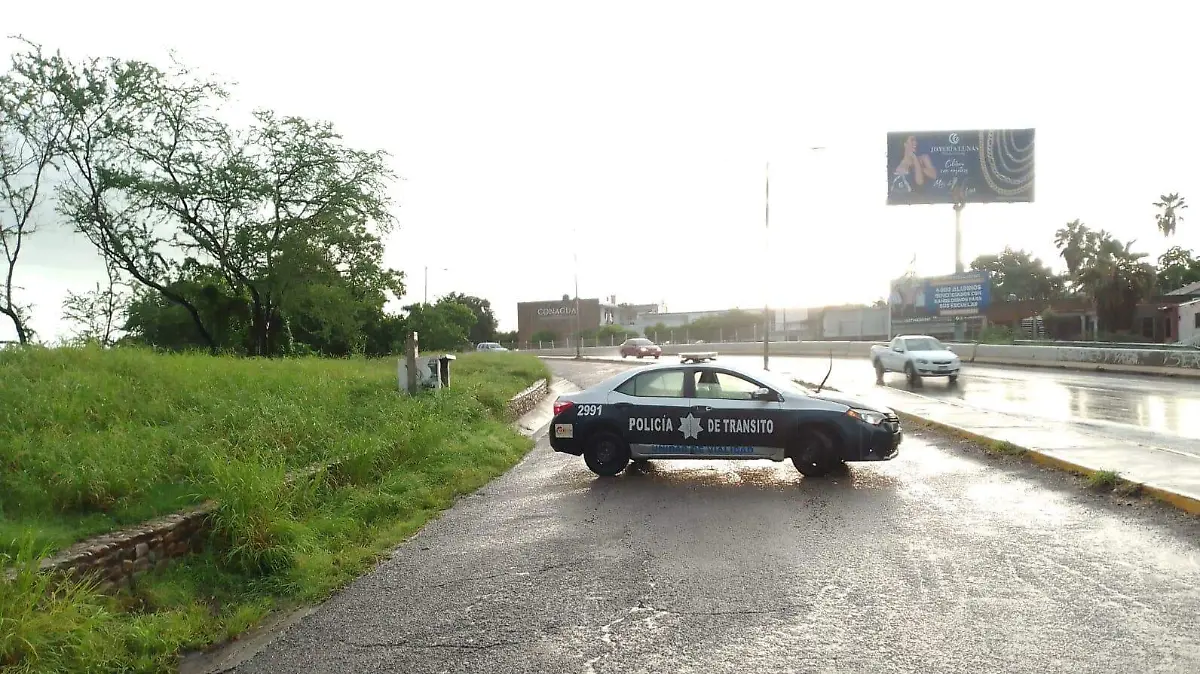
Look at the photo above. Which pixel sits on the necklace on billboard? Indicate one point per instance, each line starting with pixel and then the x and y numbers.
pixel 992 172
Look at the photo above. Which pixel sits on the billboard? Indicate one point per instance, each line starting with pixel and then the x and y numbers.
pixel 981 166
pixel 919 300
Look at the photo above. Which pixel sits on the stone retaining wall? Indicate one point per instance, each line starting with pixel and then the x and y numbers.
pixel 528 399
pixel 117 559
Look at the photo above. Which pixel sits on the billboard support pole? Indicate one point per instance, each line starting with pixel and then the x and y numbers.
pixel 960 326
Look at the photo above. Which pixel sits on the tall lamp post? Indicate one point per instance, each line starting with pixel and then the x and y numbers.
pixel 426 300
pixel 578 324
pixel 767 247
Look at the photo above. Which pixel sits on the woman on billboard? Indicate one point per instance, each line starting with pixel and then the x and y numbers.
pixel 914 171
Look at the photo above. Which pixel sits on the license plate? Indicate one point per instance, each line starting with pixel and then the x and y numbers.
pixel 564 431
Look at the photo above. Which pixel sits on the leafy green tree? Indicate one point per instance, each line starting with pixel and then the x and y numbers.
pixel 158 182
pixel 545 336
pixel 1176 268
pixel 484 329
pixel 1016 273
pixel 610 334
pixel 440 327
pixel 104 105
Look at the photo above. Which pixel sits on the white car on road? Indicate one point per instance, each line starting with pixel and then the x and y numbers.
pixel 916 356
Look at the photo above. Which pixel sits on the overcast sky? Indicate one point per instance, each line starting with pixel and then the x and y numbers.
pixel 636 133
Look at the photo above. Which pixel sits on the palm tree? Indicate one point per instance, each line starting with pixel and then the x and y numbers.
pixel 1170 204
pixel 1108 272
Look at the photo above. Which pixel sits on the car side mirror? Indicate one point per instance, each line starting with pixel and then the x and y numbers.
pixel 764 393
pixel 897 349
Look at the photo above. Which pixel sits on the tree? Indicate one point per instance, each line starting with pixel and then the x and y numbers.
pixel 30 140
pixel 545 336
pixel 265 205
pixel 104 105
pixel 1107 271
pixel 1176 268
pixel 1168 218
pixel 96 313
pixel 614 334
pixel 484 329
pixel 440 327
pixel 1018 274
pixel 162 187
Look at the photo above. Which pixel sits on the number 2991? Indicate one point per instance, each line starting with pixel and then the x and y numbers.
pixel 590 410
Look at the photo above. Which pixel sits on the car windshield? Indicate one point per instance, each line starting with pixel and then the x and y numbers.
pixel 923 344
pixel 780 383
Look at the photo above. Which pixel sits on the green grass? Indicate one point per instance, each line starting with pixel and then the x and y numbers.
pixel 1007 448
pixel 1105 480
pixel 97 439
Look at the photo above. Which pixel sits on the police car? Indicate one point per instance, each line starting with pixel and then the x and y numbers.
pixel 710 411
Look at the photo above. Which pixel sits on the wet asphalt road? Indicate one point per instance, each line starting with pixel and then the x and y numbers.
pixel 1167 406
pixel 942 560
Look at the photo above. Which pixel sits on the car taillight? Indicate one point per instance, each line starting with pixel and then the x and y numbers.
pixel 561 406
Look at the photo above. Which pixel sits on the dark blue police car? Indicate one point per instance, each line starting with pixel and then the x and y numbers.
pixel 710 411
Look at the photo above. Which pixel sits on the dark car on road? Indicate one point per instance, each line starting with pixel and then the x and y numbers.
pixel 640 347
pixel 708 411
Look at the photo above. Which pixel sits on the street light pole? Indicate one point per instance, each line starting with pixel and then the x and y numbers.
pixel 426 300
pixel 578 317
pixel 767 250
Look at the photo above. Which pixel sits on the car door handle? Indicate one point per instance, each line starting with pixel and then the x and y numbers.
pixel 620 406
pixel 701 408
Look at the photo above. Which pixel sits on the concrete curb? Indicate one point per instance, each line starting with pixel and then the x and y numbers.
pixel 1179 501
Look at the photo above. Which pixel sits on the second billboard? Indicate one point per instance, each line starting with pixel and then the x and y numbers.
pixel 914 299
pixel 976 166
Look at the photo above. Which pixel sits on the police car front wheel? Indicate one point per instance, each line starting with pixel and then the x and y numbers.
pixel 606 454
pixel 815 456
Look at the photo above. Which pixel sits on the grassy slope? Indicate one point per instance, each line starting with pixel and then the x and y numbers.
pixel 95 439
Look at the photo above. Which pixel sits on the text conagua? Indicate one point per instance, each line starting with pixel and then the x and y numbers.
pixel 556 311
pixel 655 425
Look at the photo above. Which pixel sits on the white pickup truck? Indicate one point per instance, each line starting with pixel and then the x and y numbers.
pixel 916 356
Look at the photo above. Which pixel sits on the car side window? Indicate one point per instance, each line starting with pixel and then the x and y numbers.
pixel 897 344
pixel 723 386
pixel 659 384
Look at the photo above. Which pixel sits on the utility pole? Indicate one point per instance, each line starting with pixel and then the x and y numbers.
pixel 426 300
pixel 578 324
pixel 767 250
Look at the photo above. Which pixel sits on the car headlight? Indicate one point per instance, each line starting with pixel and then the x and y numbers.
pixel 922 361
pixel 869 416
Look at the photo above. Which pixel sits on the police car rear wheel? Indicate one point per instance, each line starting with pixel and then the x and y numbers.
pixel 815 455
pixel 606 454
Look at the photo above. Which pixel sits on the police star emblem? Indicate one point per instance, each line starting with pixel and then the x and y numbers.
pixel 690 426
